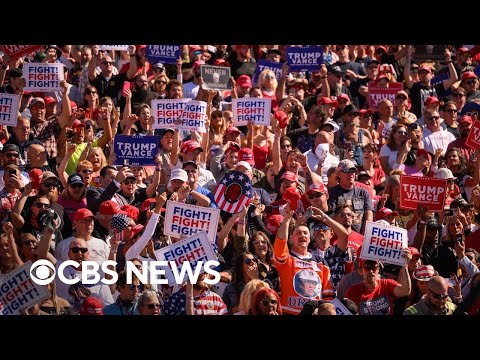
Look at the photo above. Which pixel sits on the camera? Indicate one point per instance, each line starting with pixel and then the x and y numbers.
pixel 47 217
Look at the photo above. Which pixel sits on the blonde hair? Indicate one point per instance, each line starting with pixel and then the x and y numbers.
pixel 103 161
pixel 261 79
pixel 247 294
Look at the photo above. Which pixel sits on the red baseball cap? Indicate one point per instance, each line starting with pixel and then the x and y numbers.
pixel 50 100
pixel 246 154
pixel 384 212
pixel 82 213
pixel 343 96
pixel 414 251
pixel 221 62
pixel 462 50
pixel 326 100
pixel 110 207
pixel 423 152
pixel 274 222
pixel 466 75
pixel 91 306
pixel 132 211
pixel 465 119
pixel 402 92
pixel 78 123
pixel 381 47
pixel 431 100
pixel 135 230
pixel 317 187
pixel 381 76
pixel 291 176
pixel 198 63
pixel 231 130
pixel 362 112
pixel 191 145
pixel 425 68
pixel 244 81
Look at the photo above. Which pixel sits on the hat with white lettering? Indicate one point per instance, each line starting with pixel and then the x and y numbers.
pixel 384 212
pixel 179 174
pixel 110 207
pixel 191 145
pixel 244 81
pixel 444 173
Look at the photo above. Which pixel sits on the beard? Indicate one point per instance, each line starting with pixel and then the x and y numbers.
pixel 141 93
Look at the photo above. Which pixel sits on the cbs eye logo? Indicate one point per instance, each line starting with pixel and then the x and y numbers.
pixel 40 272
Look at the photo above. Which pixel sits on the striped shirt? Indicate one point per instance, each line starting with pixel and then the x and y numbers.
pixel 207 303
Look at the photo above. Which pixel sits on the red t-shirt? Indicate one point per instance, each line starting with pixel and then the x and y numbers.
pixel 355 240
pixel 378 301
pixel 473 240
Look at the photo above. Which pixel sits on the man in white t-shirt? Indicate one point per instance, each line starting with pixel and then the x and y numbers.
pixel 438 138
pixel 320 154
pixel 83 224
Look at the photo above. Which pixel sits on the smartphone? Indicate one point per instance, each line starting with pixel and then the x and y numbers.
pixel 12 172
pixel 348 146
pixel 460 238
pixel 161 189
pixel 451 282
pixel 126 86
pixel 126 163
pixel 152 205
pixel 291 91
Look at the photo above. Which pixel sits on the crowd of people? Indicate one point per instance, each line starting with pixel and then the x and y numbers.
pixel 331 160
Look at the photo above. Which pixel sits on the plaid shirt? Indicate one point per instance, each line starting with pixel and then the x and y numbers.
pixel 47 132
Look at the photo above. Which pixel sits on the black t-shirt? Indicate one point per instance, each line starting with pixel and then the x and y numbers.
pixel 111 87
pixel 419 93
pixel 302 139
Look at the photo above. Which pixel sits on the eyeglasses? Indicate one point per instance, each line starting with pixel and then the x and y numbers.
pixel 269 302
pixel 139 287
pixel 438 296
pixel 42 205
pixel 87 171
pixel 458 95
pixel 471 82
pixel 315 195
pixel 50 185
pixel 90 92
pixel 248 261
pixel 76 250
pixel 451 110
pixel 160 82
pixel 29 242
pixel 12 155
pixel 350 171
pixel 76 186
pixel 346 215
pixel 107 63
pixel 285 146
pixel 129 182
pixel 153 306
pixel 268 76
pixel 450 181
pixel 339 76
pixel 433 118
pixel 472 114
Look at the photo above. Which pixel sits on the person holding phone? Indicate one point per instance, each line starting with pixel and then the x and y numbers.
pixel 10 194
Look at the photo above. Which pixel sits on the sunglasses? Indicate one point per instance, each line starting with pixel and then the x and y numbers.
pixel 433 118
pixel 153 306
pixel 76 186
pixel 268 77
pixel 42 205
pixel 369 267
pixel 107 63
pixel 450 181
pixel 321 228
pixel 129 182
pixel 438 296
pixel 12 155
pixel 38 107
pixel 90 92
pixel 87 171
pixel 315 195
pixel 451 110
pixel 50 185
pixel 470 82
pixel 269 302
pixel 160 82
pixel 472 114
pixel 158 69
pixel 29 242
pixel 401 97
pixel 76 250
pixel 248 261
pixel 350 171
pixel 138 287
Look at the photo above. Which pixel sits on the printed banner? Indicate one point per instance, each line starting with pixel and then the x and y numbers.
pixel 429 53
pixel 136 150
pixel 113 47
pixel 267 65
pixel 166 54
pixel 305 58
pixel 184 219
pixel 473 139
pixel 340 308
pixel 427 191
pixel 377 94
pixel 19 292
pixel 166 111
pixel 437 80
pixel 384 243
pixel 216 77
pixel 193 249
pixel 17 51
pixel 251 109
pixel 9 104
pixel 43 77
pixel 193 116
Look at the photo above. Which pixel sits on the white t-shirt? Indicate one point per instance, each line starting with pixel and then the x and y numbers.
pixel 385 151
pixel 98 250
pixel 438 140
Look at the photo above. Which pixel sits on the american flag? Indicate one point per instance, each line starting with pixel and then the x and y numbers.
pixel 233 192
